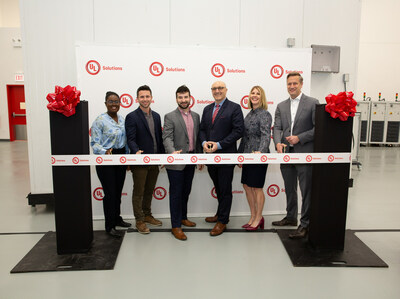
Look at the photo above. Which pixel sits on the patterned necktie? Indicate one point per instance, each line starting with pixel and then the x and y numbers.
pixel 215 112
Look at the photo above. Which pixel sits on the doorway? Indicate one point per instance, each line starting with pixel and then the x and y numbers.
pixel 16 112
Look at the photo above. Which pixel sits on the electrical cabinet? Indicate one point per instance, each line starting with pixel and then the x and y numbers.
pixel 325 59
pixel 392 123
pixel 365 113
pixel 377 124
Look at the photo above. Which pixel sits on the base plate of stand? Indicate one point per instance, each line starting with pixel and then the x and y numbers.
pixel 43 256
pixel 354 254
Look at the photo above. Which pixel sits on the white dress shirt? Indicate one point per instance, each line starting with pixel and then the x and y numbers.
pixel 294 105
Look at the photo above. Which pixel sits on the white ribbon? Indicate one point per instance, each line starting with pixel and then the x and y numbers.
pixel 165 159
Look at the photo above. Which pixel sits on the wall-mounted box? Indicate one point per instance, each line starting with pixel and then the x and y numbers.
pixel 325 59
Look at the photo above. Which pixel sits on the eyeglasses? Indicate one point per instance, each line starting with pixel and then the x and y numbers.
pixel 217 88
pixel 113 102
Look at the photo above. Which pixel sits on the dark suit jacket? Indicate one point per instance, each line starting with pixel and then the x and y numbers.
pixel 175 135
pixel 138 133
pixel 303 126
pixel 228 126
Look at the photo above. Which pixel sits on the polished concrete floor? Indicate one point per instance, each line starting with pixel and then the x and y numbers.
pixel 233 265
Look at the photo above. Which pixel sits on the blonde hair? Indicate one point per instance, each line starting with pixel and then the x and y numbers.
pixel 263 104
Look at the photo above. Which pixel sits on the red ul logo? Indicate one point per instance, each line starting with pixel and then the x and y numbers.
pixel 331 158
pixel 240 158
pixel 244 102
pixel 126 100
pixel 217 159
pixel 122 160
pixel 213 192
pixel 170 159
pixel 93 67
pixel 273 190
pixel 53 160
pixel 309 158
pixel 276 71
pixel 286 158
pixel 217 70
pixel 156 69
pixel 193 159
pixel 159 193
pixel 264 158
pixel 192 101
pixel 99 160
pixel 146 159
pixel 98 194
pixel 75 160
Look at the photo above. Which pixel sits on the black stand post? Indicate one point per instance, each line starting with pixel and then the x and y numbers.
pixel 78 247
pixel 329 244
pixel 72 188
pixel 330 182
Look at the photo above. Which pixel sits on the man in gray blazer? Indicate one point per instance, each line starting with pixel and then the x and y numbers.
pixel 180 135
pixel 294 133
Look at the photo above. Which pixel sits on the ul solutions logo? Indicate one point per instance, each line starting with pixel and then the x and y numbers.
pixel 244 102
pixel 159 193
pixel 276 71
pixel 93 67
pixel 273 190
pixel 218 70
pixel 98 194
pixel 156 68
pixel 126 100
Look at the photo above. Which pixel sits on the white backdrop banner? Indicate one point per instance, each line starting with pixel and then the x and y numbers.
pixel 123 69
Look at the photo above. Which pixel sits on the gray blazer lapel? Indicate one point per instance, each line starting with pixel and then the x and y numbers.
pixel 288 112
pixel 181 121
pixel 196 124
pixel 299 109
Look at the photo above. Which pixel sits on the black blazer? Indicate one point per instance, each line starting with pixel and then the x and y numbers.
pixel 228 126
pixel 138 133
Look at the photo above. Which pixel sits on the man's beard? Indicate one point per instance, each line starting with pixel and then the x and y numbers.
pixel 184 105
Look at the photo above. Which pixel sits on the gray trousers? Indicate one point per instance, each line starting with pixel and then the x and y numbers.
pixel 292 173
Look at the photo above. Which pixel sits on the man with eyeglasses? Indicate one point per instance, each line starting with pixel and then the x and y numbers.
pixel 220 127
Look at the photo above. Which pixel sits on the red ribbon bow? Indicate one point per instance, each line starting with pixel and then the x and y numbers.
pixel 64 100
pixel 341 105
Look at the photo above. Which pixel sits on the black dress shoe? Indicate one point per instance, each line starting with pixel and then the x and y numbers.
pixel 300 233
pixel 122 223
pixel 285 222
pixel 113 232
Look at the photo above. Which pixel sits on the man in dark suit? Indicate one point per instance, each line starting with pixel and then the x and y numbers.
pixel 180 135
pixel 143 132
pixel 221 126
pixel 294 133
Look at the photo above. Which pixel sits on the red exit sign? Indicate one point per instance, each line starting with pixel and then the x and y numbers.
pixel 19 77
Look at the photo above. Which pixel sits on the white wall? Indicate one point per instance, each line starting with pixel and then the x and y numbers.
pixel 9 13
pixel 334 23
pixel 50 32
pixel 10 58
pixel 11 63
pixel 379 59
